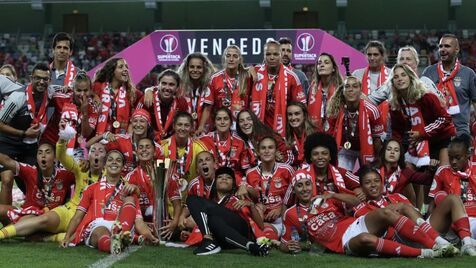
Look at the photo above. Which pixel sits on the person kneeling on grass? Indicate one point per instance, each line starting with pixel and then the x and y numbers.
pixel 328 226
pixel 224 220
pixel 105 217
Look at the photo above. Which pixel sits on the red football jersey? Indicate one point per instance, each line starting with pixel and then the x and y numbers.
pixel 104 200
pixel 271 188
pixel 327 224
pixel 450 182
pixel 197 187
pixel 231 152
pixel 142 180
pixel 59 187
pixel 293 219
pixel 221 96
pixel 370 205
pixel 59 100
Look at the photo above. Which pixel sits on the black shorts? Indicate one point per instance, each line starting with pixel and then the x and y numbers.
pixel 436 146
pixel 24 153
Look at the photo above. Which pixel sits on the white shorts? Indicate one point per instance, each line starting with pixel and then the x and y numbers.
pixel 99 222
pixel 278 225
pixel 356 228
pixel 472 226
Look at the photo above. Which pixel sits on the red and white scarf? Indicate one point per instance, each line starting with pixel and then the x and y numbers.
pixel 98 203
pixel 259 97
pixel 365 133
pixel 446 86
pixel 333 173
pixel 201 188
pixel 418 152
pixel 366 79
pixel 163 130
pixel 315 107
pixel 233 88
pixel 173 153
pixel 69 75
pixel 222 149
pixel 389 184
pixel 195 102
pixel 299 147
pixel 469 174
pixel 40 116
pixel 146 183
pixel 122 110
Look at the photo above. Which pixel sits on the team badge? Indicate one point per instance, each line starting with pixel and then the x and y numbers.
pixel 59 185
pixel 232 152
pixel 277 183
pixel 457 81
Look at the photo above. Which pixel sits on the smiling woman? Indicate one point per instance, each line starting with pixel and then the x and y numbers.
pixel 118 95
pixel 356 124
pixel 426 127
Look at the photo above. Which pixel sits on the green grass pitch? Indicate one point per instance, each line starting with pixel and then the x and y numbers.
pixel 18 253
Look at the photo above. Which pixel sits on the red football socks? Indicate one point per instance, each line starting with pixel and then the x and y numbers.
pixel 127 216
pixel 389 247
pixel 104 243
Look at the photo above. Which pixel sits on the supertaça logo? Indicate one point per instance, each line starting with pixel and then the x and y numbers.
pixel 305 42
pixel 168 43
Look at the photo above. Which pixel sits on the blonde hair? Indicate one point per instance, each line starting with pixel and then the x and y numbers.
pixel 412 50
pixel 415 91
pixel 208 70
pixel 243 74
pixel 337 100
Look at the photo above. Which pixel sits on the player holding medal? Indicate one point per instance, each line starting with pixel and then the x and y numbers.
pixel 356 124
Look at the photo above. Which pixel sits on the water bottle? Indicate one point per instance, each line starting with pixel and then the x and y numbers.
pixel 295 237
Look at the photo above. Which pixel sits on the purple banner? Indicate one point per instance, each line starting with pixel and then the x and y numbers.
pixel 171 47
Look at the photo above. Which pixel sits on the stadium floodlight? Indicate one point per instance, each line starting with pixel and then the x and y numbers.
pixel 150 4
pixel 455 3
pixel 341 3
pixel 37 4
pixel 265 3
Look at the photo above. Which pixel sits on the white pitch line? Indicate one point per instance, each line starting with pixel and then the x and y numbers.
pixel 111 259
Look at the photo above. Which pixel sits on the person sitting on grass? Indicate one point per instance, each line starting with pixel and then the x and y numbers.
pixel 329 227
pixel 449 215
pixel 46 188
pixel 105 217
pixel 224 220
pixel 55 222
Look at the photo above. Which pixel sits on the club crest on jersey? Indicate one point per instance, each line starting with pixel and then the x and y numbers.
pixel 232 152
pixel 277 183
pixel 457 81
pixel 324 205
pixel 59 185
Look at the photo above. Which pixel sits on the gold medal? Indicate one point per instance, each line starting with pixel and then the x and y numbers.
pixel 116 124
pixel 194 116
pixel 347 145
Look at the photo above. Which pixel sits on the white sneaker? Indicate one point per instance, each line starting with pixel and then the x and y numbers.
pixel 469 250
pixel 445 251
pixel 427 253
